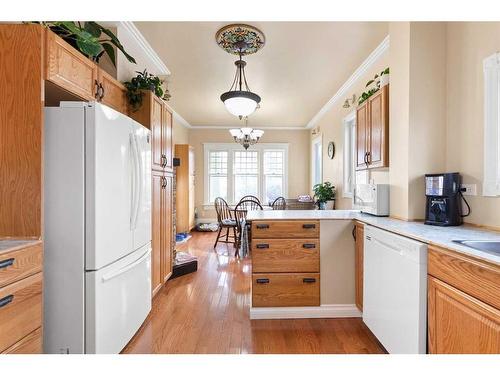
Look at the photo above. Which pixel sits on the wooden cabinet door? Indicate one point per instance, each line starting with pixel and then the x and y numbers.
pixel 69 69
pixel 378 120
pixel 157 154
pixel 361 136
pixel 359 258
pixel 113 92
pixel 166 137
pixel 156 193
pixel 459 323
pixel 166 229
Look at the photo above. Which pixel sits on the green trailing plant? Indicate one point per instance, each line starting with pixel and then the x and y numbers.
pixel 365 95
pixel 324 192
pixel 142 81
pixel 90 38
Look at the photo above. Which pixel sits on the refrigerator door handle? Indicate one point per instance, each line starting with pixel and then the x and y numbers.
pixel 138 177
pixel 124 269
pixel 135 182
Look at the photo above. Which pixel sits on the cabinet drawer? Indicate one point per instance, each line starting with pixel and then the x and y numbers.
pixel 286 289
pixel 31 344
pixel 20 310
pixel 285 255
pixel 285 229
pixel 19 264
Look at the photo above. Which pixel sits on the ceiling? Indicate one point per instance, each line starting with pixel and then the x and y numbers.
pixel 300 68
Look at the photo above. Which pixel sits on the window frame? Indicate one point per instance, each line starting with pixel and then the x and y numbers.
pixel 316 140
pixel 231 148
pixel 491 160
pixel 349 123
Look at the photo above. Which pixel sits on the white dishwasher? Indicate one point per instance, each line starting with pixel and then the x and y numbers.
pixel 395 291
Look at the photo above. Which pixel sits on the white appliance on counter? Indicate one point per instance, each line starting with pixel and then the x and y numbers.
pixel 97 228
pixel 372 199
pixel 395 291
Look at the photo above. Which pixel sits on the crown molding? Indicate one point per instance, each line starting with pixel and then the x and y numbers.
pixel 181 120
pixel 362 69
pixel 210 127
pixel 145 46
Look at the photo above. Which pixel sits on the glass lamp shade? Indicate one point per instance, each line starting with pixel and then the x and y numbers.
pixel 258 133
pixel 240 103
pixel 234 132
pixel 246 131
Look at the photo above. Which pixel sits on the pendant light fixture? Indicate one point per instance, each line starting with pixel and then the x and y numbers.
pixel 246 136
pixel 240 40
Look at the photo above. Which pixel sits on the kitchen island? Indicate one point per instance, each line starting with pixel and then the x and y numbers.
pixel 288 282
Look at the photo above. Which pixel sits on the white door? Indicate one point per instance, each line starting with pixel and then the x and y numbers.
pixel 108 186
pixel 118 300
pixel 141 215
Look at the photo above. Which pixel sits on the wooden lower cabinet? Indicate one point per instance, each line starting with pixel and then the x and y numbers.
pixel 463 304
pixel 285 229
pixel 285 289
pixel 161 243
pixel 359 237
pixel 276 255
pixel 459 323
pixel 31 344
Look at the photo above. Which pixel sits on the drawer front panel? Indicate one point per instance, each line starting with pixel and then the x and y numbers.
pixel 19 264
pixel 20 310
pixel 285 229
pixel 285 255
pixel 280 290
pixel 31 344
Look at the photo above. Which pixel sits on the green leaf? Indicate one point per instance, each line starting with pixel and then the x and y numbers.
pixel 110 51
pixel 369 82
pixel 93 28
pixel 90 47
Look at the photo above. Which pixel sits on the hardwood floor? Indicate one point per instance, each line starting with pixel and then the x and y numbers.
pixel 208 312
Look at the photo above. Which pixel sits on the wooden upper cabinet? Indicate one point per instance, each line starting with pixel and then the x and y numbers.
pixel 113 92
pixel 69 69
pixel 361 136
pixel 372 131
pixel 158 157
pixel 166 138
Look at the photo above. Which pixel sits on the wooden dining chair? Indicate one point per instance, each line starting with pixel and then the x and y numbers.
pixel 251 198
pixel 240 214
pixel 279 204
pixel 226 221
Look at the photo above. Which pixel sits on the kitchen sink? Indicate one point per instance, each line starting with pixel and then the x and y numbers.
pixel 486 246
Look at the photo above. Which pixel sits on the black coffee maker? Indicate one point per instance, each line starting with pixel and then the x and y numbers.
pixel 443 199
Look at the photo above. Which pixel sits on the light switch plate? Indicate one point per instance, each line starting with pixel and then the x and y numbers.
pixel 471 189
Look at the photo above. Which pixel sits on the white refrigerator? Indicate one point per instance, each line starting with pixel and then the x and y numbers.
pixel 97 228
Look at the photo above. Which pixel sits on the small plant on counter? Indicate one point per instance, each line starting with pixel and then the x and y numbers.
pixel 323 193
pixel 90 38
pixel 143 81
pixel 372 90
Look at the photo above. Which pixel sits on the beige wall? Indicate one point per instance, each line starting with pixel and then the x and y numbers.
pixel 180 134
pixel 298 160
pixel 330 126
pixel 468 44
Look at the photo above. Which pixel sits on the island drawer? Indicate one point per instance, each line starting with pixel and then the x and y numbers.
pixel 20 310
pixel 285 255
pixel 285 289
pixel 31 344
pixel 18 264
pixel 285 229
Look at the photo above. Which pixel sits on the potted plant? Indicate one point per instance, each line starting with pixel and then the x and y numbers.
pixel 384 77
pixel 325 195
pixel 90 38
pixel 142 81
pixel 376 83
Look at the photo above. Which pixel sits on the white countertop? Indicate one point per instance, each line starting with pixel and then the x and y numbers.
pixel 439 236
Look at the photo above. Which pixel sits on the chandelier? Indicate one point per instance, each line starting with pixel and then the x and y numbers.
pixel 246 136
pixel 240 40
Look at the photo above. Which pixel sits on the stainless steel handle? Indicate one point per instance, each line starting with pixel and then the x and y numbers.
pixel 7 262
pixel 6 300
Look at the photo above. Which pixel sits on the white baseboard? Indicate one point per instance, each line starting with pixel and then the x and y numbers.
pixel 323 311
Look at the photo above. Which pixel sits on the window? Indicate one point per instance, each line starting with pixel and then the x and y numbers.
pixel 217 174
pixel 349 155
pixel 491 174
pixel 317 161
pixel 232 173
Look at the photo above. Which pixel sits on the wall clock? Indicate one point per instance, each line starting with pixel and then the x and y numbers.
pixel 331 150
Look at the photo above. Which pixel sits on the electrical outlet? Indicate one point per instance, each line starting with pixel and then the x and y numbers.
pixel 471 189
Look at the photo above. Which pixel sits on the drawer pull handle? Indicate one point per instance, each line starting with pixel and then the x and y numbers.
pixel 6 300
pixel 262 226
pixel 262 246
pixel 7 262
pixel 309 280
pixel 309 246
pixel 308 226
pixel 262 281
